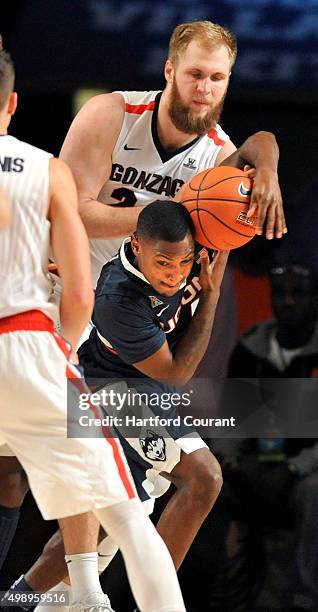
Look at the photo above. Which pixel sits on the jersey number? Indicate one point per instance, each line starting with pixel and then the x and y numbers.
pixel 126 196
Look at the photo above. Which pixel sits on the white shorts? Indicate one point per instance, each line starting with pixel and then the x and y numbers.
pixel 67 476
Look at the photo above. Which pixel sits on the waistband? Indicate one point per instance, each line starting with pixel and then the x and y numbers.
pixel 31 320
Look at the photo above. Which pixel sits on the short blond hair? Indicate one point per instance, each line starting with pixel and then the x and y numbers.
pixel 206 32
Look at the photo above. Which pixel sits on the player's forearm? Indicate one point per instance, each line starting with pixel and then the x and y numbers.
pixel 260 149
pixel 75 312
pixel 105 221
pixel 191 349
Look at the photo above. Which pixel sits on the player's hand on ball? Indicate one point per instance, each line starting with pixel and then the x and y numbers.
pixel 266 201
pixel 211 274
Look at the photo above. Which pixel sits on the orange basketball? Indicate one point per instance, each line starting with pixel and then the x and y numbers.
pixel 218 200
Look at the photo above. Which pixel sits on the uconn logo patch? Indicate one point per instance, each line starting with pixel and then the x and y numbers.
pixel 153 446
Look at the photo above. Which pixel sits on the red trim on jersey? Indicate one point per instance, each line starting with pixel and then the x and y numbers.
pixel 36 320
pixel 122 470
pixel 138 109
pixel 214 135
pixel 110 349
pixel 30 320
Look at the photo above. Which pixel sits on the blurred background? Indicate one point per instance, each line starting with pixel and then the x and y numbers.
pixel 63 47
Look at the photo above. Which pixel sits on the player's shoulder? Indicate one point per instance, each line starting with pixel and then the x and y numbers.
pixel 138 97
pixel 136 103
pixel 103 108
pixel 114 281
pixel 117 286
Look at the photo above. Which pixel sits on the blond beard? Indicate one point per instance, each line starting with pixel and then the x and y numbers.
pixel 183 118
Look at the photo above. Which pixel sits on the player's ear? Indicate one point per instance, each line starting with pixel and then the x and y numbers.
pixel 12 103
pixel 169 72
pixel 135 244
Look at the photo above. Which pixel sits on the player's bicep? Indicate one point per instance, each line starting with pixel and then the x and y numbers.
pixel 159 365
pixel 90 141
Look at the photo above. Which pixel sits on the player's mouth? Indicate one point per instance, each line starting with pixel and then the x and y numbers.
pixel 200 104
pixel 171 287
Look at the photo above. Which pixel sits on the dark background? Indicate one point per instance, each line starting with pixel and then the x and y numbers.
pixel 67 44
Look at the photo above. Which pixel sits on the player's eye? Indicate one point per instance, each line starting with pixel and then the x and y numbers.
pixel 217 77
pixel 162 263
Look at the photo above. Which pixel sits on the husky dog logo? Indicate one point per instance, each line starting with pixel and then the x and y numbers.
pixel 190 163
pixel 154 301
pixel 153 446
pixel 244 191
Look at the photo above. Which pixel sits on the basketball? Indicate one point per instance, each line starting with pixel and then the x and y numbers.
pixel 218 200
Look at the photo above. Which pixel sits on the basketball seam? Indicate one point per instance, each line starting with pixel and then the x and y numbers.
pixel 214 200
pixel 197 208
pixel 220 221
pixel 234 176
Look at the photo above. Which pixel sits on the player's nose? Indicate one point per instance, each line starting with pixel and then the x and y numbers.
pixel 175 275
pixel 203 85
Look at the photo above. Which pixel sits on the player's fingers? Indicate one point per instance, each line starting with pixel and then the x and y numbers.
pixel 281 227
pixel 223 257
pixel 278 222
pixel 220 263
pixel 249 171
pixel 202 255
pixel 261 214
pixel 254 201
pixel 219 270
pixel 271 217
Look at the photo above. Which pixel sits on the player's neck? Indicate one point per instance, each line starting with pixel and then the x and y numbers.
pixel 3 128
pixel 170 137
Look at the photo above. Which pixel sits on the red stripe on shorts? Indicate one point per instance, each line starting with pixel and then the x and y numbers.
pixel 214 136
pixel 138 109
pixel 122 470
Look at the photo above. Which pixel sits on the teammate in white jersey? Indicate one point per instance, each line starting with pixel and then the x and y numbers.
pixel 68 476
pixel 129 148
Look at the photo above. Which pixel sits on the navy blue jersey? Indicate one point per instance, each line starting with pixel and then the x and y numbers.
pixel 132 320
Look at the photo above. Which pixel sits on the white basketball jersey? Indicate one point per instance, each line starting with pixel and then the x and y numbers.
pixel 142 171
pixel 24 244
